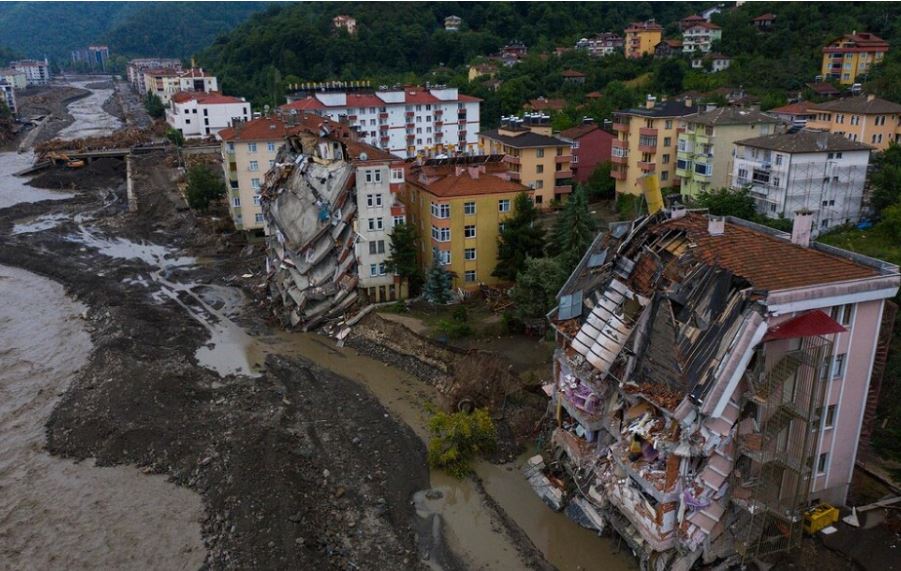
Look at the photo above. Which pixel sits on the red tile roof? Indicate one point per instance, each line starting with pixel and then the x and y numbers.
pixel 542 104
pixel 451 179
pixel 363 100
pixel 211 98
pixel 307 103
pixel 572 73
pixel 419 95
pixel 262 129
pixel 765 17
pixel 766 261
pixel 799 108
pixel 467 98
pixel 357 148
pixel 579 130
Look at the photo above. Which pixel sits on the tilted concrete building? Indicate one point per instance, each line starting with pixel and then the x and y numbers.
pixel 710 381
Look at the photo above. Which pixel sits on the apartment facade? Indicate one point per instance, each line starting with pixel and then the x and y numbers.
pixel 699 37
pixel 94 57
pixel 822 173
pixel 14 77
pixel 646 143
pixel 137 67
pixel 37 72
pixel 164 83
pixel 851 56
pixel 865 119
pixel 407 122
pixel 535 157
pixel 699 443
pixel 8 96
pixel 197 114
pixel 641 38
pixel 590 147
pixel 795 114
pixel 601 45
pixel 704 149
pixel 459 206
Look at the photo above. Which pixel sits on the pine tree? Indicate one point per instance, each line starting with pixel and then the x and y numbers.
pixel 574 231
pixel 521 238
pixel 438 283
pixel 535 292
pixel 403 258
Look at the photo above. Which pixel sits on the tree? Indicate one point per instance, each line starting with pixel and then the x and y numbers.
pixel 403 259
pixel 458 437
pixel 574 230
pixel 521 238
pixel 438 283
pixel 154 105
pixel 176 137
pixel 204 186
pixel 669 75
pixel 886 178
pixel 726 202
pixel 600 184
pixel 891 222
pixel 535 292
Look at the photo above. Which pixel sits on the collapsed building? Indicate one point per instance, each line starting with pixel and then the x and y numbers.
pixel 314 242
pixel 710 380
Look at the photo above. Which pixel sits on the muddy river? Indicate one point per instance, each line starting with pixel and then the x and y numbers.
pixel 54 512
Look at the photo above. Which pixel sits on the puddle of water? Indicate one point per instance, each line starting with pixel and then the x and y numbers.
pixel 38 223
pixel 90 118
pixel 55 513
pixel 151 254
pixel 14 190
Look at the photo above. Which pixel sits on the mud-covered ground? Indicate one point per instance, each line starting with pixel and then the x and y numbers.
pixel 297 467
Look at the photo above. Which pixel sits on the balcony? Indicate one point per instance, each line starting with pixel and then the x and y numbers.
pixel 383 116
pixel 409 114
pixel 647 147
pixel 383 127
pixel 648 132
pixel 617 160
pixel 515 176
pixel 564 189
pixel 439 112
pixel 563 159
pixel 563 174
pixel 439 124
pixel 410 126
pixel 384 138
pixel 618 174
pixel 646 166
pixel 510 159
pixel 621 127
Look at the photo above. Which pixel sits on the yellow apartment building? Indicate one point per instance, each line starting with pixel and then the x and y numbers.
pixel 641 37
pixel 865 119
pixel 646 142
pixel 535 157
pixel 459 206
pixel 852 55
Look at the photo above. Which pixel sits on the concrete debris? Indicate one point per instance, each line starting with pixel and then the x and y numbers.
pixel 309 211
pixel 674 424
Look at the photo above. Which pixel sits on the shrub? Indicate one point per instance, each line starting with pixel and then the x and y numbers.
pixel 454 329
pixel 459 437
pixel 204 187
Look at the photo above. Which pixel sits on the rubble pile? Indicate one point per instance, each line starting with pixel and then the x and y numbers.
pixel 309 209
pixel 118 140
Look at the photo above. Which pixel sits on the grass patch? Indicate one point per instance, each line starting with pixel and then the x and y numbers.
pixel 874 242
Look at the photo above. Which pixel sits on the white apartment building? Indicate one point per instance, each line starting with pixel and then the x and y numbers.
pixel 36 72
pixel 8 96
pixel 167 82
pixel 406 122
pixel 14 77
pixel 601 45
pixel 821 172
pixel 197 114
pixel 137 67
pixel 699 37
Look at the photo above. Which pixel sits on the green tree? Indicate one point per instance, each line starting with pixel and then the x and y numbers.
pixel 726 202
pixel 535 292
pixel 403 259
pixel 600 184
pixel 574 230
pixel 891 222
pixel 204 187
pixel 521 238
pixel 886 178
pixel 5 113
pixel 669 75
pixel 438 283
pixel 459 437
pixel 176 137
pixel 154 105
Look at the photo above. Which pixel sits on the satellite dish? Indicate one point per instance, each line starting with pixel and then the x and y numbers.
pixel 364 157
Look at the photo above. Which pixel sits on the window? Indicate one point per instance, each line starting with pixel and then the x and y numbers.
pixel 668 124
pixel 252 147
pixel 665 159
pixel 540 168
pixel 255 183
pixel 822 462
pixel 375 224
pixel 776 181
pixel 231 147
pixel 469 208
pixel 441 211
pixel 664 175
pixel 667 141
pixel 501 227
pixel 503 205
pixel 258 218
pixel 469 231
pixel 399 220
pixel 778 159
pixel 236 202
pixel 842 313
pixel 469 276
pixel 829 421
pixel 254 166
pixel 377 247
pixel 444 257
pixel 683 164
pixel 441 234
pixel 373 270
pixel 469 254
pixel 373 200
pixel 539 153
pixel 257 200
pixel 270 147
pixel 838 367
pixel 383 269
pixel 397 175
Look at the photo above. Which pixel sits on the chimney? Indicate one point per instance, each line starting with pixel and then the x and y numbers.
pixel 677 211
pixel 650 101
pixel 801 227
pixel 688 101
pixel 716 225
pixel 870 97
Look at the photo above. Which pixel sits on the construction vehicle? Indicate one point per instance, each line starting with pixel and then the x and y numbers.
pixel 59 158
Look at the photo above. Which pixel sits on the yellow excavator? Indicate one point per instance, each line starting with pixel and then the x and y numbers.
pixel 59 158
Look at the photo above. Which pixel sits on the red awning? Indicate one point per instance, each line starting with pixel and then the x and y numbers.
pixel 807 325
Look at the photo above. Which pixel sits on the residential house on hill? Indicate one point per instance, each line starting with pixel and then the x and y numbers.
pixel 590 147
pixel 865 118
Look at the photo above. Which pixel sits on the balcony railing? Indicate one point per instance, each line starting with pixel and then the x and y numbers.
pixel 564 189
pixel 510 159
pixel 647 166
pixel 561 174
pixel 562 159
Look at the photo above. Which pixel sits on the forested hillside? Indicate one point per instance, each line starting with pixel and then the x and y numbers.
pixel 297 43
pixel 176 29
